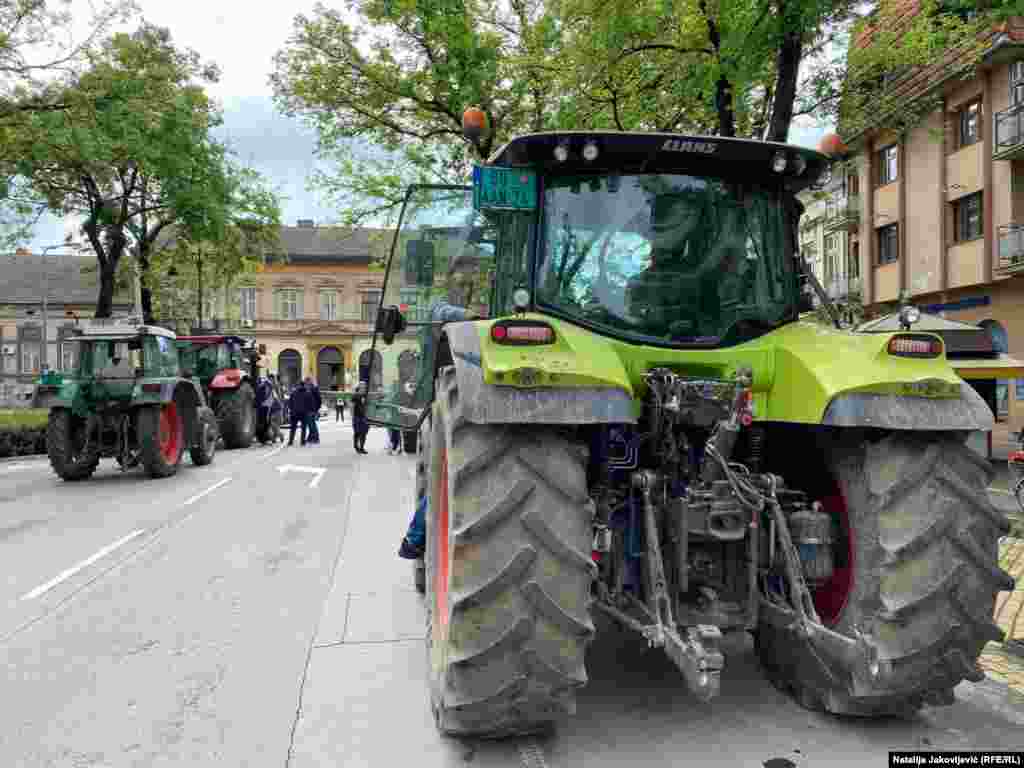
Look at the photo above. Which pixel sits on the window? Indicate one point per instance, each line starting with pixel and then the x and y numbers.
pixel 67 356
pixel 288 304
pixel 888 244
pixel 888 164
pixel 852 184
pixel 1016 83
pixel 328 305
pixel 967 215
pixel 970 124
pixel 29 358
pixel 247 303
pixel 371 300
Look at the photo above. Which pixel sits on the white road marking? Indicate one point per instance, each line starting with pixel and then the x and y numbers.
pixel 76 568
pixel 211 489
pixel 318 471
pixel 20 467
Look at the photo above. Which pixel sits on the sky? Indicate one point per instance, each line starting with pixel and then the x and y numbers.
pixel 242 38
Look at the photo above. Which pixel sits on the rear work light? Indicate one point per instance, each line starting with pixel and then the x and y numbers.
pixel 522 333
pixel 151 387
pixel 914 346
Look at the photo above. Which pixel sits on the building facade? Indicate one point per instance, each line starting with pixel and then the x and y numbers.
pixel 935 214
pixel 70 284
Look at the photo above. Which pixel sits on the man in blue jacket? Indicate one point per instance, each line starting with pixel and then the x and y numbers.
pixel 299 403
pixel 316 402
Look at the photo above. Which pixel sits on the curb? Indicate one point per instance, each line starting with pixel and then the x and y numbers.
pixel 26 457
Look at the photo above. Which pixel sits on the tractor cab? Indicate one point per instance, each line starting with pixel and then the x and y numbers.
pixel 670 241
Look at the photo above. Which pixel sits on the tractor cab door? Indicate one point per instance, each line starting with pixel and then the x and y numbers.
pixel 440 268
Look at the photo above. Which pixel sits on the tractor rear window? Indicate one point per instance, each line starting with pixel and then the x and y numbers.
pixel 161 356
pixel 667 258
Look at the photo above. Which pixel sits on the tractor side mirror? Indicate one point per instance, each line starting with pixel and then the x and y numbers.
pixel 390 322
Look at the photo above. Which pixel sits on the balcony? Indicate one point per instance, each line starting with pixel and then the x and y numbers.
pixel 1011 249
pixel 1009 134
pixel 844 215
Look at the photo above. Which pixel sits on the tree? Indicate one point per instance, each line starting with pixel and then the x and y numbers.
pixel 132 142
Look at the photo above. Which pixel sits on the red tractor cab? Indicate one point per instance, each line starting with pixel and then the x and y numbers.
pixel 227 369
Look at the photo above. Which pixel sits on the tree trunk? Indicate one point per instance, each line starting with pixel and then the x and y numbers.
pixel 145 291
pixel 105 302
pixel 723 103
pixel 787 69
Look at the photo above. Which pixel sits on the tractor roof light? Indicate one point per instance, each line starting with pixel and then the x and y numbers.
pixel 779 162
pixel 474 123
pixel 561 152
pixel 909 316
pixel 521 299
pixel 590 151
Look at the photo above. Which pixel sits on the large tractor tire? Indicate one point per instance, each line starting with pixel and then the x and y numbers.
pixel 205 445
pixel 161 438
pixel 236 416
pixel 508 573
pixel 917 575
pixel 65 445
pixel 409 441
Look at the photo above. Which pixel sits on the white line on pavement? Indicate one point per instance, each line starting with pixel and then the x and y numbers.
pixel 76 568
pixel 318 471
pixel 20 467
pixel 211 489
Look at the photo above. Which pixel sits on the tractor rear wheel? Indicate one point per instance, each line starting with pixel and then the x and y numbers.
pixel 205 444
pixel 66 439
pixel 161 438
pixel 236 416
pixel 917 575
pixel 508 573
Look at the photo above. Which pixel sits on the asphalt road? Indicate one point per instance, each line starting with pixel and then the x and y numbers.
pixel 238 615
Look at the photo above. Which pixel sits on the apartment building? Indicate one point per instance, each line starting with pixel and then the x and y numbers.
pixel 825 241
pixel 936 213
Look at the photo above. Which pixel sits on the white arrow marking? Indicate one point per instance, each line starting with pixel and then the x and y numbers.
pixel 318 471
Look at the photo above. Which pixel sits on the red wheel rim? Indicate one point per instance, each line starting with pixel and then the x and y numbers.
pixel 170 433
pixel 831 597
pixel 441 568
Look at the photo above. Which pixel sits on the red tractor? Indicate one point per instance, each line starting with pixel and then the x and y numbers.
pixel 226 367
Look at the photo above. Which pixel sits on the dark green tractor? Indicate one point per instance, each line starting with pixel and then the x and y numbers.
pixel 125 399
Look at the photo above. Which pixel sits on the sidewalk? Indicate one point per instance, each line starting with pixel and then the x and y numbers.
pixel 1005 661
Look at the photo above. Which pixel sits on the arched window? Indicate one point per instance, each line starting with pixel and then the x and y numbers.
pixel 330 369
pixel 289 368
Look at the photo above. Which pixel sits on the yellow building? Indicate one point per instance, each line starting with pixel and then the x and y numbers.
pixel 937 213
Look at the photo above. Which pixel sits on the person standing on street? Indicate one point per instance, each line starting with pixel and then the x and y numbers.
pixel 299 403
pixel 360 425
pixel 339 409
pixel 316 403
pixel 394 441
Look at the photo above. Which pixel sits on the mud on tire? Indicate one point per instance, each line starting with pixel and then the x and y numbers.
pixel 925 576
pixel 236 416
pixel 64 443
pixel 509 626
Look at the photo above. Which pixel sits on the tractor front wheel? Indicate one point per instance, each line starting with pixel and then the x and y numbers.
pixel 161 438
pixel 508 573
pixel 916 578
pixel 204 445
pixel 73 455
pixel 236 415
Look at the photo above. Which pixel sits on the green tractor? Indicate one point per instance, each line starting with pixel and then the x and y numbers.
pixel 126 399
pixel 622 415
pixel 226 367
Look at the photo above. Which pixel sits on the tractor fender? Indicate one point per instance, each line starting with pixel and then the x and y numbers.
pixel 483 403
pixel 865 409
pixel 229 378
